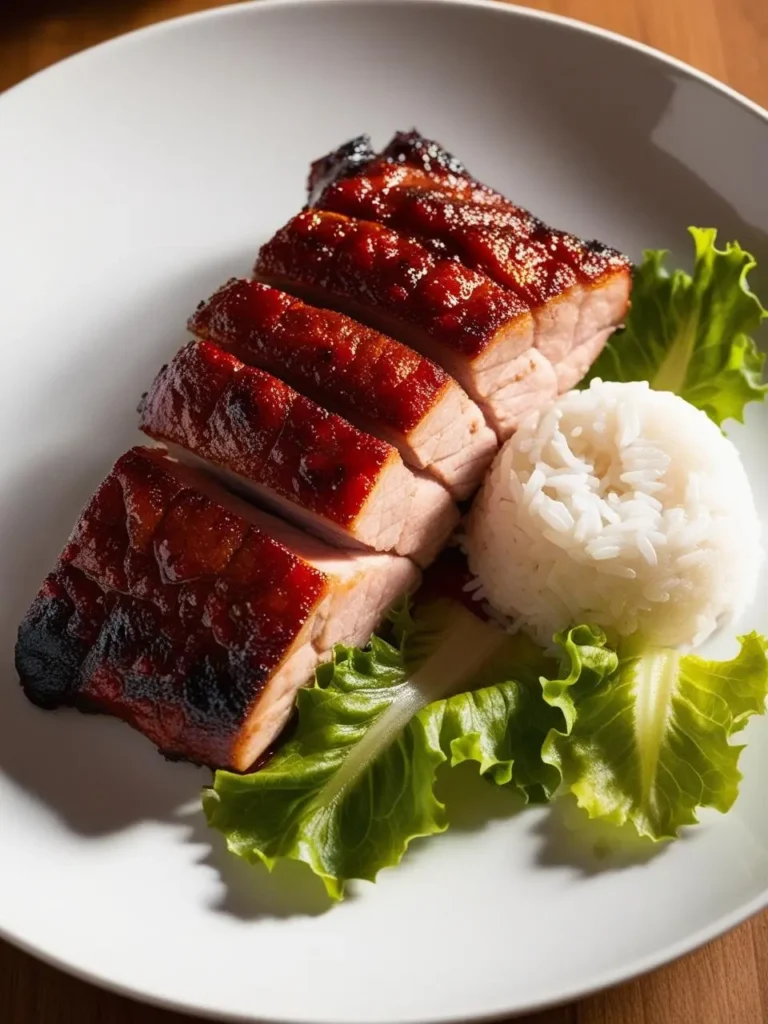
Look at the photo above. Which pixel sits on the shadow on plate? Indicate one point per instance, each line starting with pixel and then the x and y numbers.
pixel 95 773
pixel 570 840
pixel 660 139
pixel 567 840
pixel 249 891
pixel 567 837
pixel 473 802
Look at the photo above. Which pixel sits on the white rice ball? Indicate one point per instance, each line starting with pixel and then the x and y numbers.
pixel 622 507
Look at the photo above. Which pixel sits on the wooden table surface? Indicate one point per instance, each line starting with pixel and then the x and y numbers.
pixel 724 983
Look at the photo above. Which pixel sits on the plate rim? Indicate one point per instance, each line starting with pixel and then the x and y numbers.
pixel 510 8
pixel 608 979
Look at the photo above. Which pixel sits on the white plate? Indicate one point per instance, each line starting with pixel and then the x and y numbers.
pixel 133 180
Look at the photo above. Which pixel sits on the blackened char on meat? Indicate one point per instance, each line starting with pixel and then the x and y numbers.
pixel 346 160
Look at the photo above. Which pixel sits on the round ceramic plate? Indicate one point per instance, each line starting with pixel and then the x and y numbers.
pixel 134 179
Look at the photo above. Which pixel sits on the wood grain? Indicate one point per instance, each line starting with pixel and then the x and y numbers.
pixel 724 983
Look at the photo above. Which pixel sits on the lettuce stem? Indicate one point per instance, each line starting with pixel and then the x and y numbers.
pixel 465 645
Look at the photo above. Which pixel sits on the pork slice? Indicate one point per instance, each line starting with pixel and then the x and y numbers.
pixel 603 273
pixel 532 384
pixel 571 370
pixel 384 184
pixel 575 289
pixel 413 149
pixel 289 453
pixel 380 385
pixel 193 616
pixel 358 152
pixel 467 230
pixel 362 587
pixel 455 316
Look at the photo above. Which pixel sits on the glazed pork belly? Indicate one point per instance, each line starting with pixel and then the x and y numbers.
pixel 604 273
pixel 578 291
pixel 288 453
pixel 480 333
pixel 193 616
pixel 380 385
pixel 429 165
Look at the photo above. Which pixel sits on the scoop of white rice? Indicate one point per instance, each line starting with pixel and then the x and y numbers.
pixel 618 506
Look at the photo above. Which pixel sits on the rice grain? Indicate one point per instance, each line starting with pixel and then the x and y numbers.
pixel 620 506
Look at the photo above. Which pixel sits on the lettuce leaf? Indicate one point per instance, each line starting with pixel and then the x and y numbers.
pixel 646 737
pixel 356 782
pixel 692 334
pixel 639 736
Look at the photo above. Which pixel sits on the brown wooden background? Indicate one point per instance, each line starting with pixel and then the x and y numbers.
pixel 724 983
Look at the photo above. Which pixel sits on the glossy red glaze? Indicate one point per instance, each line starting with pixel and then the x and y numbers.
pixel 591 260
pixel 249 422
pixel 416 150
pixel 384 189
pixel 167 610
pixel 375 266
pixel 332 358
pixel 417 186
pixel 502 240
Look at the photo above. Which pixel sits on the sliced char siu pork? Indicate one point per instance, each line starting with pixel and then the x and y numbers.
pixel 191 615
pixel 578 291
pixel 380 385
pixel 479 332
pixel 575 290
pixel 605 274
pixel 285 451
pixel 195 616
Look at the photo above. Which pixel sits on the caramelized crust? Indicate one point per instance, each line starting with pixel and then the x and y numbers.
pixel 167 610
pixel 348 158
pixel 414 149
pixel 325 354
pixel 375 267
pixel 509 256
pixel 380 385
pixel 254 425
pixel 578 292
pixel 481 228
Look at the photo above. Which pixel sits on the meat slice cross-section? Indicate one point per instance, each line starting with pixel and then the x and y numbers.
pixel 578 291
pixel 287 452
pixel 480 333
pixel 380 385
pixel 192 616
pixel 410 152
pixel 604 273
pixel 468 231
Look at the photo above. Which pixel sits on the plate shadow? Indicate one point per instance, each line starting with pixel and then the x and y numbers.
pixel 569 839
pixel 95 773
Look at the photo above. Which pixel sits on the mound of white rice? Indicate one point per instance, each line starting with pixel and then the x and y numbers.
pixel 619 506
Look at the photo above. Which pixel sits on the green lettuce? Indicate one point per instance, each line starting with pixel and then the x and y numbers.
pixel 692 334
pixel 640 737
pixel 646 736
pixel 356 782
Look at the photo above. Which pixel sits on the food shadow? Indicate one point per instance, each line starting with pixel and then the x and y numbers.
pixel 664 155
pixel 569 839
pixel 249 891
pixel 95 773
pixel 473 802
pixel 566 837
